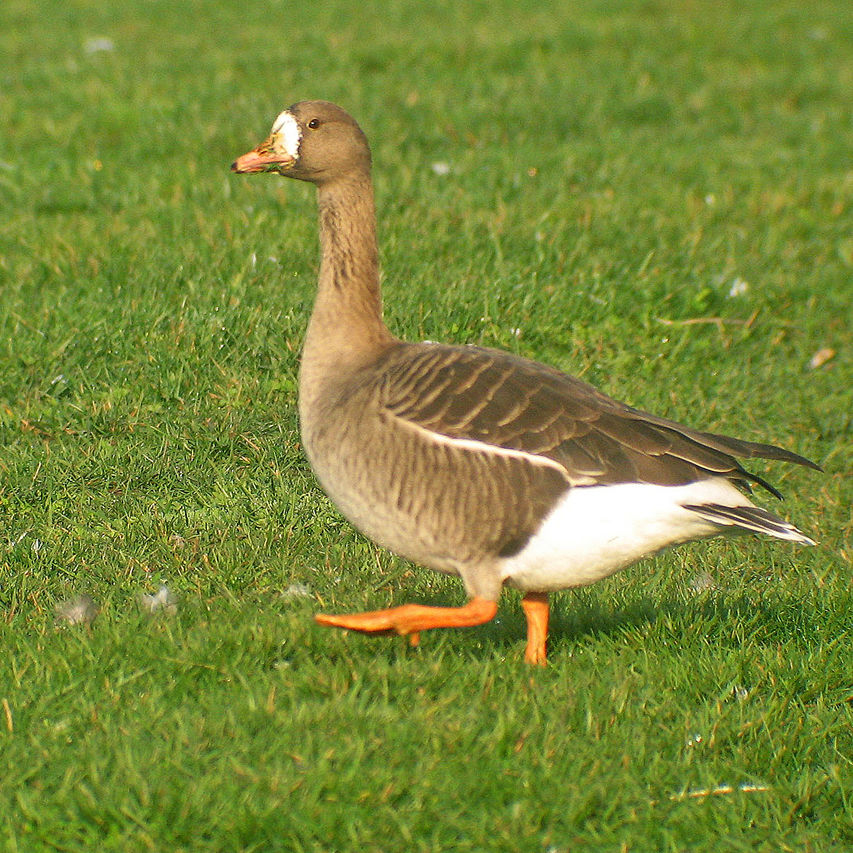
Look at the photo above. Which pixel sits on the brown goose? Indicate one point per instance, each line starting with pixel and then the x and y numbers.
pixel 473 461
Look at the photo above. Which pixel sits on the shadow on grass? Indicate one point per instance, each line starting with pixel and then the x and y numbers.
pixel 725 620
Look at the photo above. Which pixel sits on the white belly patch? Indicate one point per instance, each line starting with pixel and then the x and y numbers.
pixel 597 530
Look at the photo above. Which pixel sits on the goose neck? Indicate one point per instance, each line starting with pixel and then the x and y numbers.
pixel 346 328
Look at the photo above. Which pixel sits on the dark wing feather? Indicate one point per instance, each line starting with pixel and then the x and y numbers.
pixel 516 404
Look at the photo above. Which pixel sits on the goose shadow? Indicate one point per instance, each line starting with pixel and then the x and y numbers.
pixel 768 619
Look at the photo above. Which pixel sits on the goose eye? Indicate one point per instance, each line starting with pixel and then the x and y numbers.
pixel 314 123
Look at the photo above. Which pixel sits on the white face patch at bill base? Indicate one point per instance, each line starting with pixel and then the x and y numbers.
pixel 286 128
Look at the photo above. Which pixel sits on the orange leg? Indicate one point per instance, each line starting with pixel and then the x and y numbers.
pixel 410 619
pixel 536 609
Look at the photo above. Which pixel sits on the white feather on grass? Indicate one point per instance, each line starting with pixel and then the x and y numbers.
pixel 80 610
pixel 162 601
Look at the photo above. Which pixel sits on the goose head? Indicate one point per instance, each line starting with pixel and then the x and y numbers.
pixel 311 141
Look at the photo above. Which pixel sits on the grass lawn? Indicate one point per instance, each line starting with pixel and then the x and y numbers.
pixel 655 195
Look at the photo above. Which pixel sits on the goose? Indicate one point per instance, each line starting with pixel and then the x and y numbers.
pixel 472 461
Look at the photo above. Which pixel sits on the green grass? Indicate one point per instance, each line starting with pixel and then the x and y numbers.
pixel 614 170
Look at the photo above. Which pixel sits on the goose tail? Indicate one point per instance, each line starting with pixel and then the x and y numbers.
pixel 751 518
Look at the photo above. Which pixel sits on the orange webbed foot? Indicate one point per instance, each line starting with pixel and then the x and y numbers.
pixel 411 619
